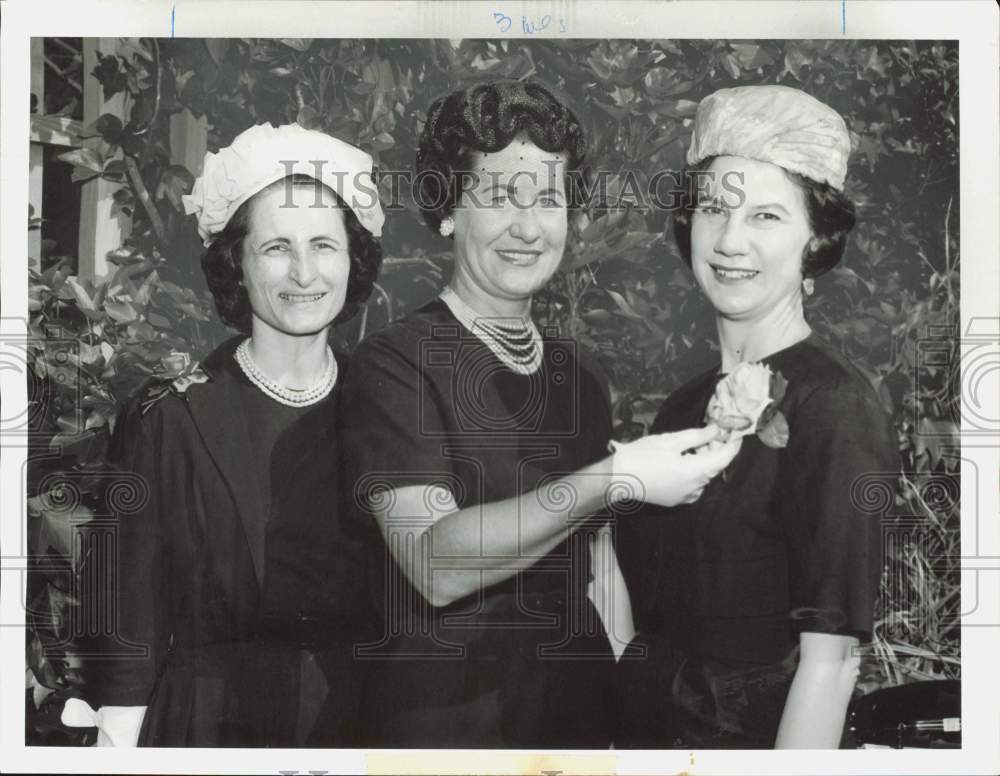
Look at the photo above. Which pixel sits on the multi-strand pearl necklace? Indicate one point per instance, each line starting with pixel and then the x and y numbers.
pixel 518 345
pixel 287 396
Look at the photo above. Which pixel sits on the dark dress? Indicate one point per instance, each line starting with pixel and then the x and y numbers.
pixel 721 589
pixel 523 663
pixel 236 577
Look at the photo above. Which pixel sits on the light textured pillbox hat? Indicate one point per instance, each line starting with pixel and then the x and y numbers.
pixel 776 124
pixel 263 154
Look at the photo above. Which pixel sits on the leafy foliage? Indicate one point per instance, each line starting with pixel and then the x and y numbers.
pixel 623 291
pixel 91 344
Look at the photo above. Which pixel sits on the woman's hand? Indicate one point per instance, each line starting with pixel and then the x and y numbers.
pixel 670 469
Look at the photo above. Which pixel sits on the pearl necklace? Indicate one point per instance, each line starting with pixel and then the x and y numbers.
pixel 290 397
pixel 517 345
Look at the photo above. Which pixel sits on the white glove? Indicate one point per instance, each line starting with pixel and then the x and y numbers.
pixel 116 725
pixel 654 469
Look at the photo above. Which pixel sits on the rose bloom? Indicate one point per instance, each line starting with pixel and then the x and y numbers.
pixel 741 398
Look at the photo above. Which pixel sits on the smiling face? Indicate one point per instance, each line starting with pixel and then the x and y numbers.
pixel 295 261
pixel 747 256
pixel 510 226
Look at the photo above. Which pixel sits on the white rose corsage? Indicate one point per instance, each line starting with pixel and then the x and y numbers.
pixel 746 402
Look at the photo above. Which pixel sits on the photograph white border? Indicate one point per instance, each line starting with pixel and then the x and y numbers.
pixel 973 24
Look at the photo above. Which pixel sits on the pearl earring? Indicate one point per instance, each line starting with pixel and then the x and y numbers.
pixel 447 227
pixel 808 286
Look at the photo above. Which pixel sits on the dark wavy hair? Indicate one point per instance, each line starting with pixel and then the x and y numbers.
pixel 486 118
pixel 831 218
pixel 222 262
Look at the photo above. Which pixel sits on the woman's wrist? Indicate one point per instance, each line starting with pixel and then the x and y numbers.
pixel 624 482
pixel 610 484
pixel 579 495
pixel 622 485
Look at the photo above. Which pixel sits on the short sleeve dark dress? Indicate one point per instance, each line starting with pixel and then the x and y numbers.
pixel 237 587
pixel 721 589
pixel 523 663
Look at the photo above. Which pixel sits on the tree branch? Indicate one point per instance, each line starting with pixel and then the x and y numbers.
pixel 135 178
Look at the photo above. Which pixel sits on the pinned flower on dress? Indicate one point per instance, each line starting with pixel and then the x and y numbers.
pixel 183 370
pixel 185 381
pixel 746 402
pixel 190 374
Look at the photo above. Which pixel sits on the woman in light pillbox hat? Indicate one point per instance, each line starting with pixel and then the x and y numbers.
pixel 751 602
pixel 776 124
pixel 792 130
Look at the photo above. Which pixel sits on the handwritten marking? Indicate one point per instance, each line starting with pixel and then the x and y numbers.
pixel 173 12
pixel 501 18
pixel 528 26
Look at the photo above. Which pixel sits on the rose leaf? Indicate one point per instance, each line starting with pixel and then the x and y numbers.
pixel 778 386
pixel 775 433
pixel 766 415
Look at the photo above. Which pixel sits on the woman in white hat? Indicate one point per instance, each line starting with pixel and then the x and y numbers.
pixel 752 601
pixel 237 585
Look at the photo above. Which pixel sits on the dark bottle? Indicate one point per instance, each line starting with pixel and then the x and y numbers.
pixel 926 715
